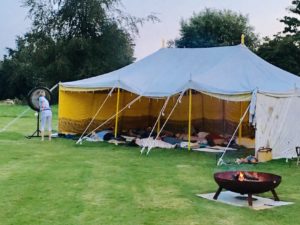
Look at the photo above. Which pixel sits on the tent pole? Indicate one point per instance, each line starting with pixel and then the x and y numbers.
pixel 190 118
pixel 158 121
pixel 117 113
pixel 240 128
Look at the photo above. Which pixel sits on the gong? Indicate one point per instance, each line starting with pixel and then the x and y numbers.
pixel 33 97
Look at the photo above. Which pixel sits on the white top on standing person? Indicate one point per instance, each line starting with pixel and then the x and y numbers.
pixel 46 115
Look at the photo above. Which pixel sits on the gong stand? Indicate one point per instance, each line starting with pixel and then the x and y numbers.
pixel 33 102
pixel 37 132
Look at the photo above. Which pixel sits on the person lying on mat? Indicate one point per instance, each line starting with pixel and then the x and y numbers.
pixel 103 135
pixel 185 137
pixel 147 132
pixel 150 142
pixel 215 139
pixel 200 137
pixel 249 159
pixel 141 133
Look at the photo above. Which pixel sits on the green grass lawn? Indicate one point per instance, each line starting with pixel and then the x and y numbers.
pixel 59 182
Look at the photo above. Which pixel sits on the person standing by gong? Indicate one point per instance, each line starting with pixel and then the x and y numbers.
pixel 46 115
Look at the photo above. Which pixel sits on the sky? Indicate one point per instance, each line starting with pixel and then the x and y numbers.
pixel 263 15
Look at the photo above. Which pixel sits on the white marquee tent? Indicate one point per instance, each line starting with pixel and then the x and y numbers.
pixel 231 73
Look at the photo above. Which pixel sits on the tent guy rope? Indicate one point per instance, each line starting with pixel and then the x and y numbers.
pixel 110 118
pixel 170 114
pixel 101 106
pixel 220 161
pixel 156 122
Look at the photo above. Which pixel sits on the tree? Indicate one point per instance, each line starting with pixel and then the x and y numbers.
pixel 281 51
pixel 16 71
pixel 211 28
pixel 284 49
pixel 69 40
pixel 292 23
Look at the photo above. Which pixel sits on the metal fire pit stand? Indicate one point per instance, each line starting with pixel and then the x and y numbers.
pixel 250 199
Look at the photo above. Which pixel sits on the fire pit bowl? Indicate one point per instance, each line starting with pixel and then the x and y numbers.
pixel 246 182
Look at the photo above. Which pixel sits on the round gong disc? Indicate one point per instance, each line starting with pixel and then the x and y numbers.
pixel 33 97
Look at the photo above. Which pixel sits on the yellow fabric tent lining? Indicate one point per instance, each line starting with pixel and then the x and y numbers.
pixel 80 107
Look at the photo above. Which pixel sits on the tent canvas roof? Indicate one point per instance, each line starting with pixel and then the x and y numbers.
pixel 233 70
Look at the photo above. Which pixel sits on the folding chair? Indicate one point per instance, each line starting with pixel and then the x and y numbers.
pixel 298 155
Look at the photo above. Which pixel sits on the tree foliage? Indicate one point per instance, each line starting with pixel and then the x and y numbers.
pixel 69 40
pixel 283 50
pixel 211 28
pixel 292 24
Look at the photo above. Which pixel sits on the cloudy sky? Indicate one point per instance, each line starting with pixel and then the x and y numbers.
pixel 263 15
